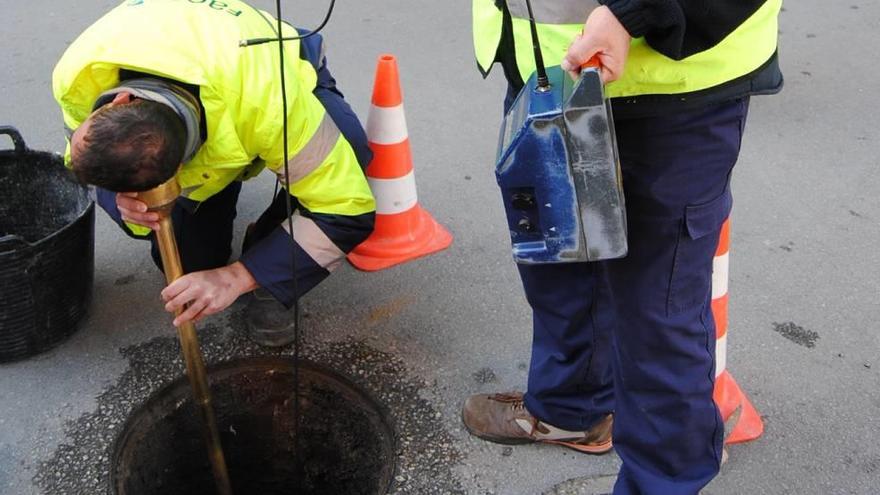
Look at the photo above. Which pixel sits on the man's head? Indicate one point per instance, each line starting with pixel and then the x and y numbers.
pixel 128 145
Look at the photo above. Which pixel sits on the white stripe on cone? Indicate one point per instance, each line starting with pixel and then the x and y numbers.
pixel 394 196
pixel 720 271
pixel 386 125
pixel 720 355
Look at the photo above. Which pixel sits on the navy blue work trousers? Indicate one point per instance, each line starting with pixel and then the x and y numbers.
pixel 636 336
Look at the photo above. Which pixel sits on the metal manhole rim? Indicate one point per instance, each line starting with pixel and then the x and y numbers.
pixel 256 362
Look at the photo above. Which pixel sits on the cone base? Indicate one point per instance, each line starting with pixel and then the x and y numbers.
pixel 729 396
pixel 400 238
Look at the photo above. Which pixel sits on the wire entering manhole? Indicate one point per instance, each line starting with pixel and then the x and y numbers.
pixel 346 440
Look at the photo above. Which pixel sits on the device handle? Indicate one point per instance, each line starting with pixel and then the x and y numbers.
pixel 593 63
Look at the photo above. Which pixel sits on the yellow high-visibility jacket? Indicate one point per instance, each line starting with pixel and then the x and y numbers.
pixel 197 43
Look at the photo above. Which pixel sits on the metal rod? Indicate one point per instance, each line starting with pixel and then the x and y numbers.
pixel 161 200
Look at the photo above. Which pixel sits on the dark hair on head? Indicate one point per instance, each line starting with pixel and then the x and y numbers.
pixel 131 147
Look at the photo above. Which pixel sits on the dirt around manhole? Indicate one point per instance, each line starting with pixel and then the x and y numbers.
pixel 346 445
pixel 425 456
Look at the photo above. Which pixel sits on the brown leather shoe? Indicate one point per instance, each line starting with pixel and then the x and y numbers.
pixel 503 418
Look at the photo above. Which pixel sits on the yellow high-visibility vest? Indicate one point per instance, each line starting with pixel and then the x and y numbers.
pixel 647 71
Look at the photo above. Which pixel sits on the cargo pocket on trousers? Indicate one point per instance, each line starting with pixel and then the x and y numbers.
pixel 691 281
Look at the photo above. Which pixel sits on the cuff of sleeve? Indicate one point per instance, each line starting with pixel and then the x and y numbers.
pixel 631 14
pixel 264 261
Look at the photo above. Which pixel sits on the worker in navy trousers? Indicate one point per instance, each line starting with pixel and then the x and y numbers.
pixel 623 352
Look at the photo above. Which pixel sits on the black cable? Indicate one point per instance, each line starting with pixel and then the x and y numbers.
pixel 543 82
pixel 278 30
pixel 279 38
pixel 289 211
pixel 283 97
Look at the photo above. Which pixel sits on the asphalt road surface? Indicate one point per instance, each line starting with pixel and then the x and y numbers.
pixel 804 277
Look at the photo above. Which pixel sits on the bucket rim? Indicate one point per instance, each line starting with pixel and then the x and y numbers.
pixel 88 210
pixel 86 190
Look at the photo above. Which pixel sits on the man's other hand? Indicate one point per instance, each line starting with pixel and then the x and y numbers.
pixel 605 37
pixel 204 293
pixel 135 211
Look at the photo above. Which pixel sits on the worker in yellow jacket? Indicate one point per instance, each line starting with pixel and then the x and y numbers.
pixel 158 88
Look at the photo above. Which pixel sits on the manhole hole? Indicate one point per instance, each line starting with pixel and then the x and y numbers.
pixel 347 444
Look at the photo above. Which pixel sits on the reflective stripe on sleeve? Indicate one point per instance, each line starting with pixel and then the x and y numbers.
pixel 313 154
pixel 315 242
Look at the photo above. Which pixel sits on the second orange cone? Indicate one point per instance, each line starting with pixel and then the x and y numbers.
pixel 404 230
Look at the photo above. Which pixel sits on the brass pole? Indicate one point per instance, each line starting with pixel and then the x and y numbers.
pixel 161 200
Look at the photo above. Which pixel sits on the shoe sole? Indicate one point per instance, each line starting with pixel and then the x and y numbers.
pixel 602 448
pixel 598 449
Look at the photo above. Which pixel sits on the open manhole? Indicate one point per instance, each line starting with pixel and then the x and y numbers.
pixel 347 444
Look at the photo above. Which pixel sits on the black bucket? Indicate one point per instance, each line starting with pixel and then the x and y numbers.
pixel 47 250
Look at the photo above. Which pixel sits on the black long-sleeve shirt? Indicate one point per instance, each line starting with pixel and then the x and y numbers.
pixel 680 28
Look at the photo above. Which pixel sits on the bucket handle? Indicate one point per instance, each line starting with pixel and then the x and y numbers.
pixel 10 242
pixel 17 140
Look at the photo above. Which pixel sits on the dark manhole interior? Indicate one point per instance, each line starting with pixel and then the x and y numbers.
pixel 347 443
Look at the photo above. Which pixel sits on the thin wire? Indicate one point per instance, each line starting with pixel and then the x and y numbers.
pixel 244 44
pixel 289 211
pixel 288 204
pixel 543 82
pixel 279 38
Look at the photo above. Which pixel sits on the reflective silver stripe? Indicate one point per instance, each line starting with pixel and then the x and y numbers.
pixel 553 12
pixel 315 242
pixel 314 152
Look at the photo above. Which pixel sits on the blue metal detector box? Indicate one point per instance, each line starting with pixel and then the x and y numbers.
pixel 559 172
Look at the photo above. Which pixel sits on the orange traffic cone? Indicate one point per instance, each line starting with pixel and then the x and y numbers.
pixel 404 231
pixel 728 396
